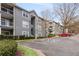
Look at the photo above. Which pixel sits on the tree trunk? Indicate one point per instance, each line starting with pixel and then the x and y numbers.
pixel 65 30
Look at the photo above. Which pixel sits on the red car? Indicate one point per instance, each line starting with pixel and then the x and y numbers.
pixel 64 34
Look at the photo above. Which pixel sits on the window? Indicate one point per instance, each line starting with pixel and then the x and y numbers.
pixel 50 26
pixel 25 24
pixel 3 22
pixel 25 33
pixel 50 22
pixel 24 14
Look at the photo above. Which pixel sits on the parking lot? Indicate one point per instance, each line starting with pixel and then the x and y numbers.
pixel 55 46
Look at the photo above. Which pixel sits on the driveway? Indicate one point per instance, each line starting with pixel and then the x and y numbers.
pixel 55 46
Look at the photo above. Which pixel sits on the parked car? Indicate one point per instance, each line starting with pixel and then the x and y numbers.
pixel 65 34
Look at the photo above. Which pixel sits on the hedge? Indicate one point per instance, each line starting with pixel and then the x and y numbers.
pixel 51 35
pixel 41 37
pixel 8 48
pixel 15 37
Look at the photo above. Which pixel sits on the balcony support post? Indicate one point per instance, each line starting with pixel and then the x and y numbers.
pixel 0 18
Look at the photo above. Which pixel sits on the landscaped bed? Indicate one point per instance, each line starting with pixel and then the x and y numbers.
pixel 8 48
pixel 25 51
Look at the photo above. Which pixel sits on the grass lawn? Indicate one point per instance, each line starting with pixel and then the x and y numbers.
pixel 26 51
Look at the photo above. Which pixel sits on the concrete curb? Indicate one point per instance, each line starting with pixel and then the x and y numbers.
pixel 38 52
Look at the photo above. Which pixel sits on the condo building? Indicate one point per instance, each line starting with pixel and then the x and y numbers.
pixel 53 27
pixel 17 21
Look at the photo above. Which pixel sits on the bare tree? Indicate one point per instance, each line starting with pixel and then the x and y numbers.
pixel 74 27
pixel 46 15
pixel 67 12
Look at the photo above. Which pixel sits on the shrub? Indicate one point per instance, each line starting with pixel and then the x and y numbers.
pixel 40 37
pixel 51 35
pixel 8 47
pixel 6 37
pixel 29 37
pixel 15 37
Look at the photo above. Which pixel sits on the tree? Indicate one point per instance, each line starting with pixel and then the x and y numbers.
pixel 67 12
pixel 74 27
pixel 46 15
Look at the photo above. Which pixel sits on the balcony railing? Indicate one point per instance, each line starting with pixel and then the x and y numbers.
pixel 8 11
pixel 4 24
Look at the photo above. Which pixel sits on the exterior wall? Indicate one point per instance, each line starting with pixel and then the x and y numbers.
pixel 46 27
pixel 57 28
pixel 19 22
pixel 40 28
pixel 43 28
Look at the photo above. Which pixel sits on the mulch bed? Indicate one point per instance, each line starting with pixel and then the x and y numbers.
pixel 19 53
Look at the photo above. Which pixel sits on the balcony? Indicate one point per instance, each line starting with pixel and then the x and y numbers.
pixel 6 25
pixel 7 13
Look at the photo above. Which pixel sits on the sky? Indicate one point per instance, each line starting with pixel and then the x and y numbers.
pixel 38 7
